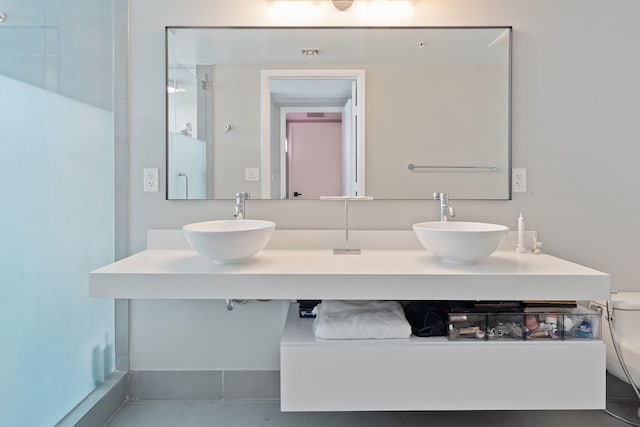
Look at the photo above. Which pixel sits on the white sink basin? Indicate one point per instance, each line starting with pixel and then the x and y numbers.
pixel 229 241
pixel 460 242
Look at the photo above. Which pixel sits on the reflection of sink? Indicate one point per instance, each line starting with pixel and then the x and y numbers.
pixel 460 242
pixel 228 241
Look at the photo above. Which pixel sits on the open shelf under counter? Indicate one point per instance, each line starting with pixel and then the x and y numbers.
pixel 436 374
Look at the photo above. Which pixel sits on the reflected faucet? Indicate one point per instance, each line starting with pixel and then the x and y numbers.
pixel 446 210
pixel 240 203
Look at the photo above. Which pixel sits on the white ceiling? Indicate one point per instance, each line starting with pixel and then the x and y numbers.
pixel 279 45
pixel 327 91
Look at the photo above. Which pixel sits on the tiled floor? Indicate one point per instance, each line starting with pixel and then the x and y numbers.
pixel 250 413
pixel 254 413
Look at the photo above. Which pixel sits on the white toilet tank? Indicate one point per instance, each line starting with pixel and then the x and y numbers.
pixel 626 327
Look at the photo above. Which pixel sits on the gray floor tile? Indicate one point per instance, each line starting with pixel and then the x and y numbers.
pixel 256 413
pixel 625 408
pixel 618 389
pixel 555 419
pixel 166 413
pixel 355 419
pixel 265 413
pixel 449 419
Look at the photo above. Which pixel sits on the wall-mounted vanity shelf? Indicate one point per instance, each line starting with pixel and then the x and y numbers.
pixel 410 374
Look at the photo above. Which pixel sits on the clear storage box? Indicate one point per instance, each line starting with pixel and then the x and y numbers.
pixel 505 326
pixel 531 324
pixel 467 326
pixel 543 325
pixel 582 323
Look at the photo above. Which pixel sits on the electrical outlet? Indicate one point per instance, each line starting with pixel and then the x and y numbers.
pixel 150 183
pixel 519 180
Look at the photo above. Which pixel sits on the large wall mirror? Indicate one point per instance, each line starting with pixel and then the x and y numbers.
pixel 300 113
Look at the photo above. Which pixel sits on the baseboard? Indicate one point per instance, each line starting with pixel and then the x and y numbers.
pixel 251 384
pixel 100 404
pixel 198 385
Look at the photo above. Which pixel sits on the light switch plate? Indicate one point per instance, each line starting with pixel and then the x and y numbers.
pixel 252 174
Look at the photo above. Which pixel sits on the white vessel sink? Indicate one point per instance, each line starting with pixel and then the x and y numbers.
pixel 460 242
pixel 229 241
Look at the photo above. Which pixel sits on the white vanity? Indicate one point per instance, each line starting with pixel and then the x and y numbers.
pixel 404 374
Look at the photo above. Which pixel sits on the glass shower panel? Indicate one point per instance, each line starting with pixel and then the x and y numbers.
pixel 57 216
pixel 186 135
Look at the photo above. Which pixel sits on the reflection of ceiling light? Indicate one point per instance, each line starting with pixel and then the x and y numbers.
pixel 171 89
pixel 309 51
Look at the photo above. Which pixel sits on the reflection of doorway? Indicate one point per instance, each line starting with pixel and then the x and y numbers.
pixel 313 155
pixel 339 91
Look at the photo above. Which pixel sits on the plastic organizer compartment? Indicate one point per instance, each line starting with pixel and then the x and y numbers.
pixel 505 326
pixel 467 326
pixel 583 323
pixel 580 323
pixel 543 324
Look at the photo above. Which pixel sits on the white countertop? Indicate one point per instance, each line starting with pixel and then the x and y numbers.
pixel 319 274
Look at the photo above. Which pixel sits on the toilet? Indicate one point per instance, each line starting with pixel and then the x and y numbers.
pixel 626 327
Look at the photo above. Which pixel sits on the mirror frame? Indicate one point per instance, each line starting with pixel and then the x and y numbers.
pixel 467 27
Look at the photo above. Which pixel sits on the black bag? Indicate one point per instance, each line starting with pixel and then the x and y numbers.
pixel 429 318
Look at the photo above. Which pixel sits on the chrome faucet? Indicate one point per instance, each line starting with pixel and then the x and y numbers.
pixel 240 202
pixel 446 210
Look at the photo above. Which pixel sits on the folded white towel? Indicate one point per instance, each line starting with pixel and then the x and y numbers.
pixel 360 320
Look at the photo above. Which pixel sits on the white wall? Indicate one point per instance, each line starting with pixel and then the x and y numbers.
pixel 236 98
pixel 575 128
pixel 453 114
pixel 443 114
